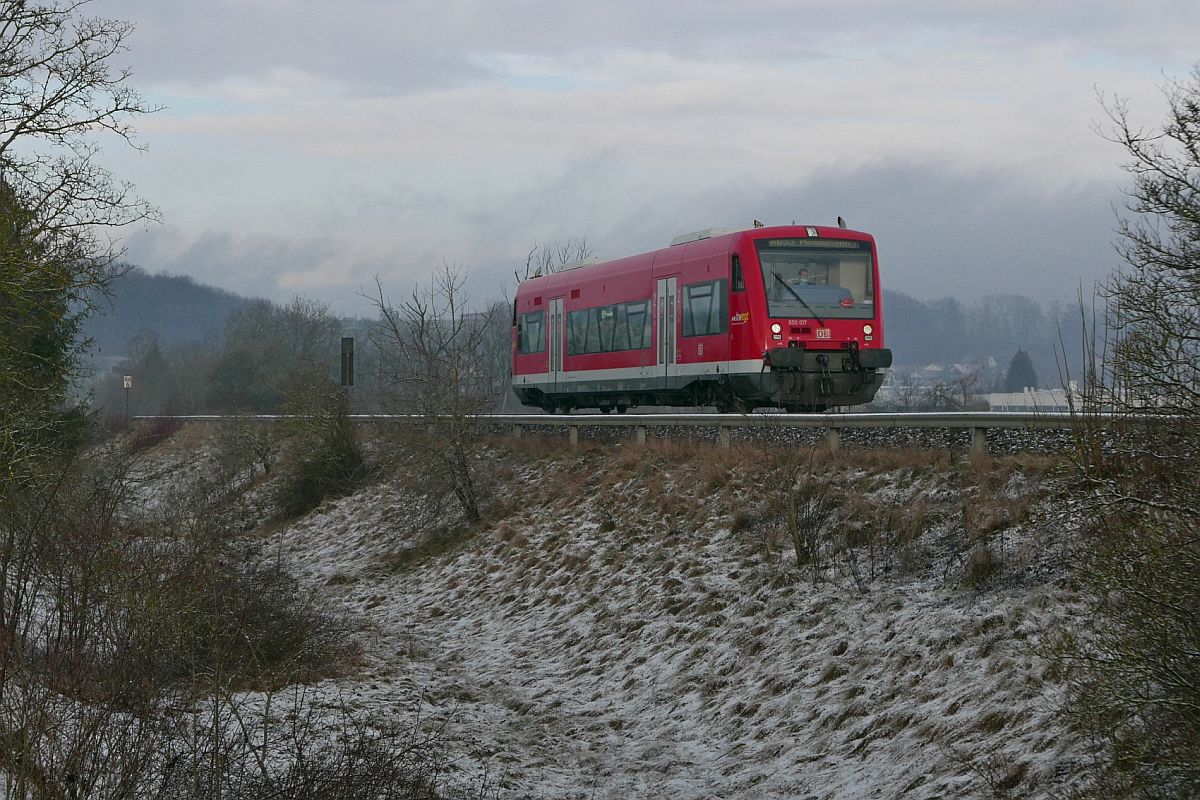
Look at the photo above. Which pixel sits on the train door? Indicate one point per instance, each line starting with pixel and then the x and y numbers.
pixel 557 328
pixel 668 324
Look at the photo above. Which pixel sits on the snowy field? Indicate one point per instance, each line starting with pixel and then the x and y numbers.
pixel 632 624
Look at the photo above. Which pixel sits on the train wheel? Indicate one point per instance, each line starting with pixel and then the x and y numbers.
pixel 622 408
pixel 606 409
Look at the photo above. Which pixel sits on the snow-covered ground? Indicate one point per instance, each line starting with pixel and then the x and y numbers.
pixel 629 624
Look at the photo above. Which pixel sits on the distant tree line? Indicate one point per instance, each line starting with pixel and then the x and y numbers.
pixel 266 355
pixel 998 325
pixel 264 352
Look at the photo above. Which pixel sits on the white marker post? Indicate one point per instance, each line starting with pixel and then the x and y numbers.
pixel 128 381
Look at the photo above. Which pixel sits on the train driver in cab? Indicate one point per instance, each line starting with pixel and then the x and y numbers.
pixel 790 287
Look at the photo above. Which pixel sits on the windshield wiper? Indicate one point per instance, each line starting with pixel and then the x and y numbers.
pixel 787 286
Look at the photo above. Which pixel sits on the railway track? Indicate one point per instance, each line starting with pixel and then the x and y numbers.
pixel 832 424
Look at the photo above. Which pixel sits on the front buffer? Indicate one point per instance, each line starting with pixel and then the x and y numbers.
pixel 800 379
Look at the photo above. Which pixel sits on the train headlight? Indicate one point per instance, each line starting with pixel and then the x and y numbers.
pixel 868 329
pixel 776 328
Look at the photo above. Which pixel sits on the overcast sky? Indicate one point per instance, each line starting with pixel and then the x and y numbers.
pixel 305 147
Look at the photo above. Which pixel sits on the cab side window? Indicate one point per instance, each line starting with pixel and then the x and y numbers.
pixel 737 282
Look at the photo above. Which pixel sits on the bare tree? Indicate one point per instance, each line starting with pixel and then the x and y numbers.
pixel 1156 302
pixel 548 258
pixel 438 357
pixel 1134 672
pixel 58 87
pixel 965 384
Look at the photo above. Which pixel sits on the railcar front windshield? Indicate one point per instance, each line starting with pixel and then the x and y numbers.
pixel 825 278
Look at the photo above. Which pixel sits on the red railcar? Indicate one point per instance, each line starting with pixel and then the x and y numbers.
pixel 788 316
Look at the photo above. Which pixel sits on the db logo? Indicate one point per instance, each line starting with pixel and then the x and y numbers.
pixel 823 333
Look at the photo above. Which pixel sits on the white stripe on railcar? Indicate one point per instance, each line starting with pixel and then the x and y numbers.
pixel 752 365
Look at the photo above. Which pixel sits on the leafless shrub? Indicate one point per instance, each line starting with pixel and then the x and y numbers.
pixel 297 746
pixel 248 447
pixel 108 621
pixel 550 257
pixel 442 360
pixel 1000 773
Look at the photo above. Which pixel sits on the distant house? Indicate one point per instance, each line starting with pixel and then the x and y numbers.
pixel 1034 400
pixel 984 370
pixel 928 375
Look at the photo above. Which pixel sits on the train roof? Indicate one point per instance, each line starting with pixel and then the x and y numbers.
pixel 711 236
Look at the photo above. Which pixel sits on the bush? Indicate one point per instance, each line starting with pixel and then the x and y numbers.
pixel 153 433
pixel 331 461
pixel 336 469
pixel 218 616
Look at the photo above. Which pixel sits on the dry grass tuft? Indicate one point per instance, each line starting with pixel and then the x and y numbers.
pixel 440 541
pixel 982 564
pixel 985 516
pixel 832 671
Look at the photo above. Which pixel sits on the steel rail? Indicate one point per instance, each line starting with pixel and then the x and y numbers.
pixel 978 422
pixel 1056 420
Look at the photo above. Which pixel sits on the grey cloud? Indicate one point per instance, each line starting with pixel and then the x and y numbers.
pixel 251 265
pixel 940 231
pixel 944 232
pixel 363 45
pixel 397 47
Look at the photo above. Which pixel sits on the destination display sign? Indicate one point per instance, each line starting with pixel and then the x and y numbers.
pixel 819 244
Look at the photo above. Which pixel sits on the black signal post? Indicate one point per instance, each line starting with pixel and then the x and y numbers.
pixel 347 361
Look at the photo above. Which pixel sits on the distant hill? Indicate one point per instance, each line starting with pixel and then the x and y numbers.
pixel 173 307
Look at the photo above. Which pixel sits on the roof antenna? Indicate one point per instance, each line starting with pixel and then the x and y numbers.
pixel 758 224
pixel 841 222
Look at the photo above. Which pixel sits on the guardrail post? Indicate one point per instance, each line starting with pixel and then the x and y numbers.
pixel 574 435
pixel 640 434
pixel 834 439
pixel 978 442
pixel 723 437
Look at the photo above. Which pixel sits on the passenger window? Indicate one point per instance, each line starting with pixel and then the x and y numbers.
pixel 605 329
pixel 531 336
pixel 637 316
pixel 735 275
pixel 704 308
pixel 576 332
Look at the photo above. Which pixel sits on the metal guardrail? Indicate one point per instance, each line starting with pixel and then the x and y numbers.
pixel 978 422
